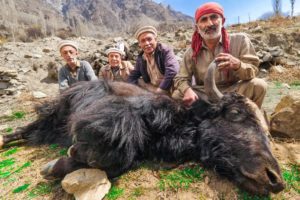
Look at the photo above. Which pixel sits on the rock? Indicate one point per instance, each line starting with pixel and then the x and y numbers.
pixel 262 73
pixel 290 64
pixel 7 113
pixel 276 51
pixel 257 29
pixel 52 68
pixel 46 50
pixel 27 56
pixel 286 118
pixel 267 57
pixel 38 95
pixel 278 69
pixel 86 184
pixel 285 85
pixel 3 127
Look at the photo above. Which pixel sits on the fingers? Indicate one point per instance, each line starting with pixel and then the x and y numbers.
pixel 223 65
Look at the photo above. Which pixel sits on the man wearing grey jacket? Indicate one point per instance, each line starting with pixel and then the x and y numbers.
pixel 75 70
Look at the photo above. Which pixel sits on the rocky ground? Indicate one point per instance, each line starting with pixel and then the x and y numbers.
pixel 27 77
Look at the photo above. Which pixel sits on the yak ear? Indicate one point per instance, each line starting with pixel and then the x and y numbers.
pixel 204 109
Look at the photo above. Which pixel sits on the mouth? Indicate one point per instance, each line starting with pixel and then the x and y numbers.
pixel 210 31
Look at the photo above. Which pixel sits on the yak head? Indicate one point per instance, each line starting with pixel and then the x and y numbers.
pixel 233 140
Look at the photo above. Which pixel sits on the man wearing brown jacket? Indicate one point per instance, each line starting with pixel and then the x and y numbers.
pixel 235 55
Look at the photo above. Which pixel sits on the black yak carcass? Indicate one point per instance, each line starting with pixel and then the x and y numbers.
pixel 115 126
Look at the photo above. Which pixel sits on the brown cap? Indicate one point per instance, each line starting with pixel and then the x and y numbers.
pixel 145 29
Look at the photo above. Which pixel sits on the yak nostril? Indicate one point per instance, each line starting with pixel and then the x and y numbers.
pixel 272 176
pixel 276 183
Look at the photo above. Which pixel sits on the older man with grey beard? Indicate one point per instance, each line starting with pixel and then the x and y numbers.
pixel 235 56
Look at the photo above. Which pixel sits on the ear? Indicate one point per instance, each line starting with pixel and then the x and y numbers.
pixel 223 20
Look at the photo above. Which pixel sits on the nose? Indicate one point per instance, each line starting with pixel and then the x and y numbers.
pixel 276 184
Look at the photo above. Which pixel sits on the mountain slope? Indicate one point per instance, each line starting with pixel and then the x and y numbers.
pixel 85 17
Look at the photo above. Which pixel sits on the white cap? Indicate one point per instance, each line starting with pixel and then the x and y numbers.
pixel 67 43
pixel 114 50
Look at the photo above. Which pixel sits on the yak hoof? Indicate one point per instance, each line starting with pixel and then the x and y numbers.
pixel 1 141
pixel 47 170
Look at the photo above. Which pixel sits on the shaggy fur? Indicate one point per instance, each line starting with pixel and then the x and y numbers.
pixel 114 129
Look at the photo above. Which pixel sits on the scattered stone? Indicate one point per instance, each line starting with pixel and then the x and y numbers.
pixel 286 118
pixel 5 114
pixel 86 184
pixel 46 50
pixel 38 95
pixel 277 69
pixel 3 127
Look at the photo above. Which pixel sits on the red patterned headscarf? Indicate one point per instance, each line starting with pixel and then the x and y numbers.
pixel 207 8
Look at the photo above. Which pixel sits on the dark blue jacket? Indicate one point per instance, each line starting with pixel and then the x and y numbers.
pixel 166 63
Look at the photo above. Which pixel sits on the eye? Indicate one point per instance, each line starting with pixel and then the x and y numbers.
pixel 234 112
pixel 235 115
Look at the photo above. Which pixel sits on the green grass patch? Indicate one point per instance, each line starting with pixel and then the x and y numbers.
pixel 295 83
pixel 11 151
pixel 7 167
pixel 177 179
pixel 242 195
pixel 114 193
pixel 21 188
pixel 292 178
pixel 7 163
pixel 9 130
pixel 137 192
pixel 278 84
pixel 41 189
pixel 17 115
pixel 53 146
pixel 63 152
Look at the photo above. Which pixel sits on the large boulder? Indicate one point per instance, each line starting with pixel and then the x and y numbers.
pixel 286 118
pixel 86 184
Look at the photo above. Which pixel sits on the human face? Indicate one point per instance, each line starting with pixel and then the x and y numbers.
pixel 147 42
pixel 69 54
pixel 210 26
pixel 114 59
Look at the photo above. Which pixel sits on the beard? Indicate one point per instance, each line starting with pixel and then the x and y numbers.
pixel 211 32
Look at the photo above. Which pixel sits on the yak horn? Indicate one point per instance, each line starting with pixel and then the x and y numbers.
pixel 211 90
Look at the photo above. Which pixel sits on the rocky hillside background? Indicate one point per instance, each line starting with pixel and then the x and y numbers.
pixel 24 20
pixel 33 66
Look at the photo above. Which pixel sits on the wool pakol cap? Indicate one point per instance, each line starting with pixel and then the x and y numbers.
pixel 145 29
pixel 67 43
pixel 114 50
pixel 207 8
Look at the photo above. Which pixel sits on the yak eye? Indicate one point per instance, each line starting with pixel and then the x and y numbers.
pixel 234 112
pixel 235 115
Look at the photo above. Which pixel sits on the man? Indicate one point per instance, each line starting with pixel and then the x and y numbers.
pixel 235 55
pixel 156 63
pixel 116 70
pixel 74 70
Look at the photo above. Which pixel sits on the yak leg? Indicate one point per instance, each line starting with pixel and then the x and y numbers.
pixel 5 139
pixel 59 168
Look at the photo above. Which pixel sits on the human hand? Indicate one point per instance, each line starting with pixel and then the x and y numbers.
pixel 189 97
pixel 160 91
pixel 227 61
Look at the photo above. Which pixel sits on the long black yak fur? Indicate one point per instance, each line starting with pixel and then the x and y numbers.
pixel 115 126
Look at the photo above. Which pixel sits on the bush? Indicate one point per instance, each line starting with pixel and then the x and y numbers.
pixel 34 32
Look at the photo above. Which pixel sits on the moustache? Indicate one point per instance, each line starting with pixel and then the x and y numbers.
pixel 211 28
